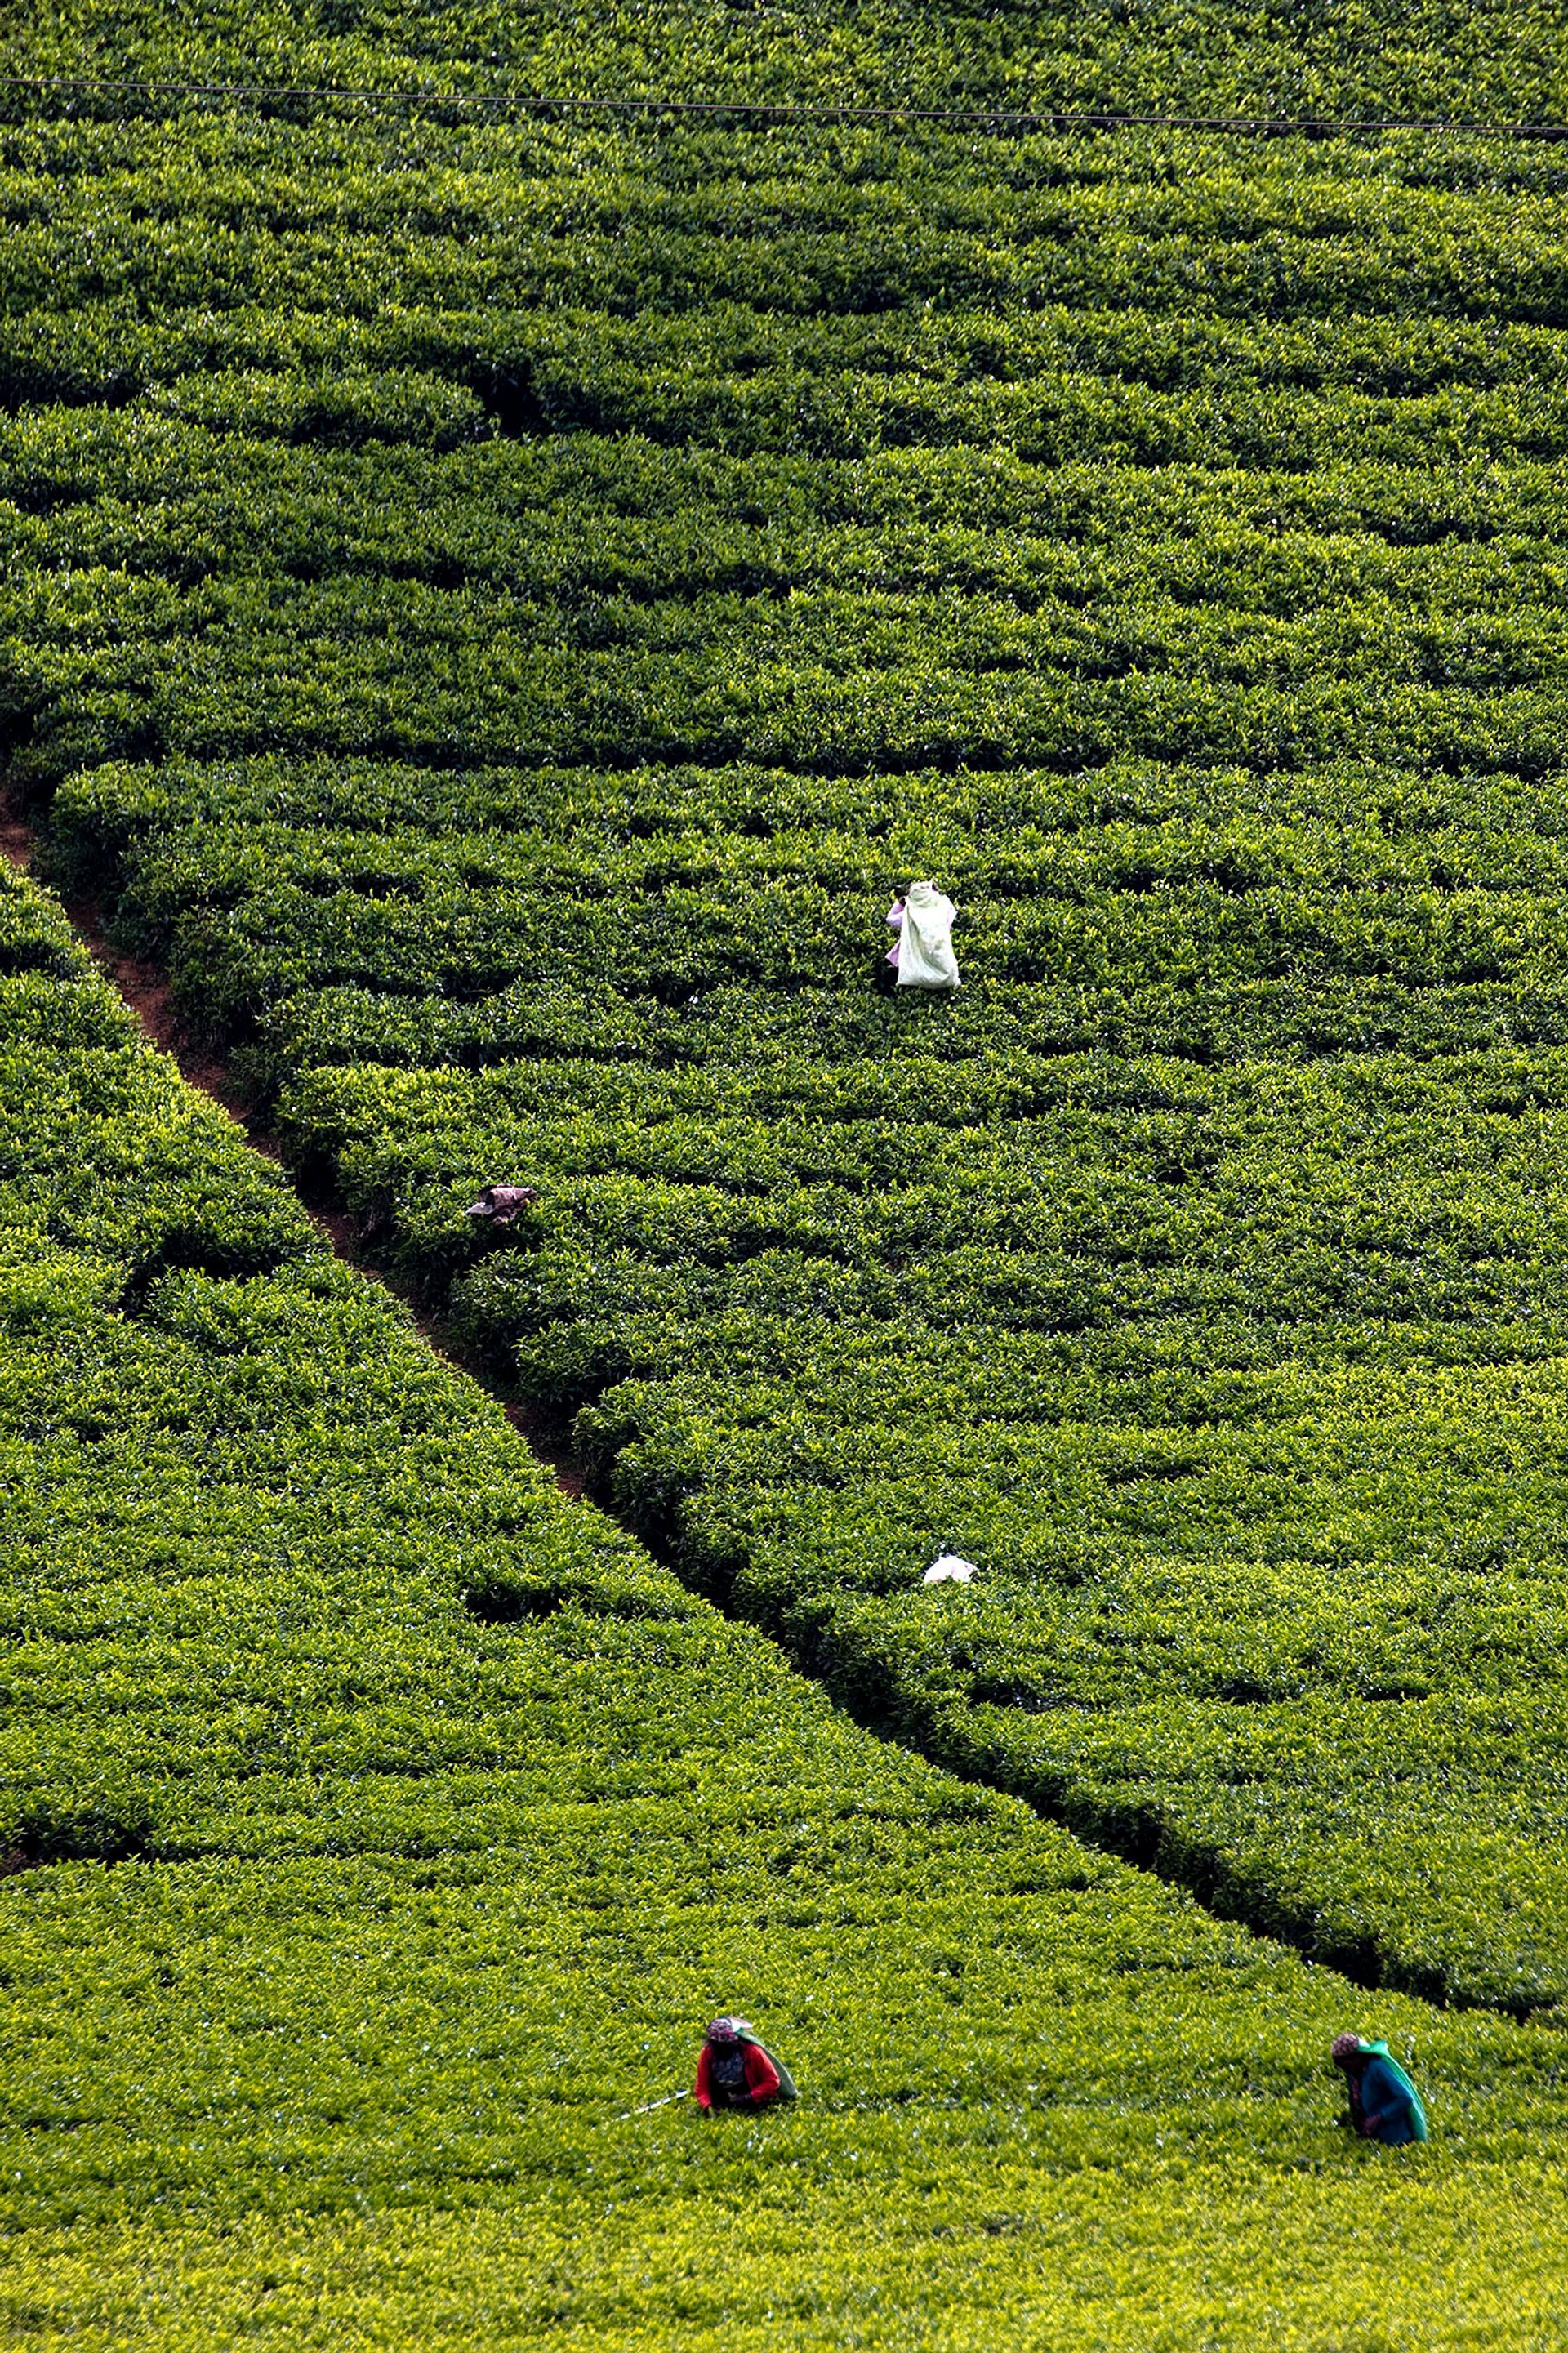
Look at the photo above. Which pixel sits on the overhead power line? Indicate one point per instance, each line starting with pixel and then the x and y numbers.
pixel 1015 121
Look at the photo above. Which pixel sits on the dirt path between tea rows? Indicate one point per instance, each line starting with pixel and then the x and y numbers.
pixel 150 997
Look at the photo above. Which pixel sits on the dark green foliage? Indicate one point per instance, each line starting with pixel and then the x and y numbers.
pixel 1169 559
pixel 379 1826
pixel 496 606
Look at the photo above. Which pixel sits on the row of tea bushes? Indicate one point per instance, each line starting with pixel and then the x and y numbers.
pixel 1219 57
pixel 411 1897
pixel 1242 1386
pixel 380 1824
pixel 466 617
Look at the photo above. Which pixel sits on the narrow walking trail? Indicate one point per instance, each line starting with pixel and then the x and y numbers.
pixel 148 993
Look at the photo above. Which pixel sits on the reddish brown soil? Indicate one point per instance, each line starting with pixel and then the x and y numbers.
pixel 557 1458
pixel 143 985
pixel 148 993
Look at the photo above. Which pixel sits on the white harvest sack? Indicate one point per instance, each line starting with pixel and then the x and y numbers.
pixel 925 939
pixel 950 1565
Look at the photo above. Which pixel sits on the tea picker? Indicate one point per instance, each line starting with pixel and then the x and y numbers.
pixel 922 956
pixel 950 1568
pixel 734 2071
pixel 501 1205
pixel 1385 2104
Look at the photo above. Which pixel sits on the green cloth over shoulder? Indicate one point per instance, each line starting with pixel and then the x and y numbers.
pixel 787 2081
pixel 1381 2050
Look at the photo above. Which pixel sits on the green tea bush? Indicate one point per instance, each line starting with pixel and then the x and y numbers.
pixel 380 1826
pixel 522 808
pixel 495 606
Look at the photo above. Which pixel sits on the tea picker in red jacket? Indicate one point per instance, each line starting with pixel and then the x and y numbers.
pixel 733 2071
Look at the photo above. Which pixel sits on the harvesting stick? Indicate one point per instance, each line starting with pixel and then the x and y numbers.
pixel 649 2107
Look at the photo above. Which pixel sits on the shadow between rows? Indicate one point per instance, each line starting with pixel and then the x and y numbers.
pixel 44 1835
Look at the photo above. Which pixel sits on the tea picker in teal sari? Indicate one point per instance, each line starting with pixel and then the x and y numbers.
pixel 1385 2104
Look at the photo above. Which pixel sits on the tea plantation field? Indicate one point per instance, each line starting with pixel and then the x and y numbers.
pixel 379 1825
pixel 495 602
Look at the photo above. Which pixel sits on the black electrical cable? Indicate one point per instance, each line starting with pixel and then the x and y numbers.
pixel 1004 121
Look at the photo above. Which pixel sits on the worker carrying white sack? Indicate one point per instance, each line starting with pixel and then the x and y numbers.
pixel 923 958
